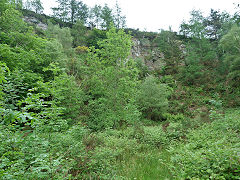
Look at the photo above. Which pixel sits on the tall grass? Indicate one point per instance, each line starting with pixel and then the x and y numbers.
pixel 150 165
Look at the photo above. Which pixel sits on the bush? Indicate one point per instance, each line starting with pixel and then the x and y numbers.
pixel 27 156
pixel 74 154
pixel 211 152
pixel 154 136
pixel 152 99
pixel 175 131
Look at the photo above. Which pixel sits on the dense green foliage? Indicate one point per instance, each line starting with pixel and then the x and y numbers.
pixel 152 99
pixel 77 103
pixel 210 151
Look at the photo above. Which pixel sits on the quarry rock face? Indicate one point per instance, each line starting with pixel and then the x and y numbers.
pixel 149 54
pixel 33 20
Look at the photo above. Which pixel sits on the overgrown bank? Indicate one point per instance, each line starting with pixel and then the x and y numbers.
pixel 80 103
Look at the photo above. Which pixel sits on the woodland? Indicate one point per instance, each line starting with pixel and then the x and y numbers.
pixel 88 98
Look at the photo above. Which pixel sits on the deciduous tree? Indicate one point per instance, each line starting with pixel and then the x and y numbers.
pixel 71 11
pixel 37 6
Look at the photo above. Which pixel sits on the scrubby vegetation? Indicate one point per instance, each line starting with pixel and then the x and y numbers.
pixel 110 103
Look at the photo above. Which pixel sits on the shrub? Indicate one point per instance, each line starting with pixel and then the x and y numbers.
pixel 70 96
pixel 27 156
pixel 175 131
pixel 81 49
pixel 154 136
pixel 152 99
pixel 211 152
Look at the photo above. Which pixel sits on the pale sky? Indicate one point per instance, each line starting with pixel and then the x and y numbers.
pixel 152 15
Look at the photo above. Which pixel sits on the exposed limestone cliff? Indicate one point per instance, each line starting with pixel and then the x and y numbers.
pixel 35 21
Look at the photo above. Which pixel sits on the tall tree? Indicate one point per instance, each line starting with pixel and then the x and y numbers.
pixel 200 58
pixel 73 7
pixel 16 3
pixel 62 10
pixel 27 5
pixel 230 44
pixel 195 27
pixel 112 82
pixel 120 20
pixel 169 44
pixel 95 16
pixel 107 17
pixel 71 11
pixel 82 12
pixel 217 24
pixel 37 6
